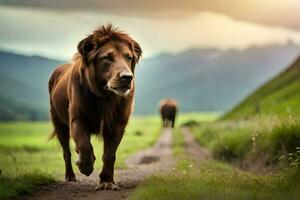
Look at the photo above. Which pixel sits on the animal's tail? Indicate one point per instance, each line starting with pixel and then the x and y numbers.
pixel 54 121
pixel 51 135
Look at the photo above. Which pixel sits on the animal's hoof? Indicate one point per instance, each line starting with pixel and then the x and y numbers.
pixel 107 186
pixel 71 178
pixel 85 168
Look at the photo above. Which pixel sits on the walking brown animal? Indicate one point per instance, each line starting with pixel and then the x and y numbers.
pixel 94 94
pixel 168 109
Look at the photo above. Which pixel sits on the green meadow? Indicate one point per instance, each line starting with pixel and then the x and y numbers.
pixel 257 158
pixel 215 180
pixel 28 159
pixel 221 177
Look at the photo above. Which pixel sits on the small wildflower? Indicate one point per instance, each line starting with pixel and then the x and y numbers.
pixel 190 166
pixel 184 172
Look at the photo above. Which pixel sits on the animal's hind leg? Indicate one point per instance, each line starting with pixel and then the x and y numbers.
pixel 165 123
pixel 173 122
pixel 62 133
pixel 64 138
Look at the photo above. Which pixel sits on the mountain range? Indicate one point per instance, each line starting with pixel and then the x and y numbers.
pixel 208 79
pixel 24 86
pixel 200 79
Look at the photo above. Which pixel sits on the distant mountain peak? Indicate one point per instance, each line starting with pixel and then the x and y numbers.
pixel 208 79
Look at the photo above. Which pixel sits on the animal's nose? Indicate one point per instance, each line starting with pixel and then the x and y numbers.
pixel 126 76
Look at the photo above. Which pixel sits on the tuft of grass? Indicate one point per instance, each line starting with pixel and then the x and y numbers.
pixel 22 184
pixel 262 139
pixel 232 146
pixel 285 138
pixel 228 141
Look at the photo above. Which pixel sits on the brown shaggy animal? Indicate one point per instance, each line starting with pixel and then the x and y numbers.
pixel 94 95
pixel 168 109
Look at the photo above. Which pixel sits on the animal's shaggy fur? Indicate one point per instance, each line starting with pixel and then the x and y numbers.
pixel 94 94
pixel 168 109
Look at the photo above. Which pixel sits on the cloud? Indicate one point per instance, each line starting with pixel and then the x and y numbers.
pixel 283 13
pixel 56 34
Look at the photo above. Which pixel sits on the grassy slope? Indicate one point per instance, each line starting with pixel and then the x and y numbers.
pixel 27 159
pixel 280 96
pixel 253 144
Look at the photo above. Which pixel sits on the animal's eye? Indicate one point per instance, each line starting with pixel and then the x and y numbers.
pixel 129 57
pixel 108 57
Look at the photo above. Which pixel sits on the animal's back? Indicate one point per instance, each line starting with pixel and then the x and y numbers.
pixel 168 107
pixel 58 86
pixel 55 76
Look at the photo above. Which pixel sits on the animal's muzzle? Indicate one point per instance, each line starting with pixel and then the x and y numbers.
pixel 126 78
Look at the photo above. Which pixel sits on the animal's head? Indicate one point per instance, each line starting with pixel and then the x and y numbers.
pixel 109 57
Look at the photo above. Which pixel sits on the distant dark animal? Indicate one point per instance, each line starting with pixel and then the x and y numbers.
pixel 168 109
pixel 94 94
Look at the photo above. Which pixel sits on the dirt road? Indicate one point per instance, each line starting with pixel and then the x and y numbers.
pixel 155 159
pixel 158 158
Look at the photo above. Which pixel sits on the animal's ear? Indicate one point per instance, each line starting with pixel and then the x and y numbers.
pixel 85 46
pixel 137 52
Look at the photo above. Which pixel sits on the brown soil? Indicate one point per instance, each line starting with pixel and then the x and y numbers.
pixel 155 159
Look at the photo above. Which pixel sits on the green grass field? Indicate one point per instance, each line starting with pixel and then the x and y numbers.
pixel 25 146
pixel 28 159
pixel 215 180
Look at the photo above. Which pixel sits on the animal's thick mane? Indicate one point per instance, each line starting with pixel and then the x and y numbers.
pixel 109 33
pixel 106 102
pixel 88 49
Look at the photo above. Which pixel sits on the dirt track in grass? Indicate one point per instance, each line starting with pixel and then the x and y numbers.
pixel 193 149
pixel 158 158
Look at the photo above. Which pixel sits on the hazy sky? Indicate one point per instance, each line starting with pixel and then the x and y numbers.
pixel 53 28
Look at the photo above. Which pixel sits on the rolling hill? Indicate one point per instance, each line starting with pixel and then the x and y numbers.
pixel 281 96
pixel 23 86
pixel 208 79
pixel 200 79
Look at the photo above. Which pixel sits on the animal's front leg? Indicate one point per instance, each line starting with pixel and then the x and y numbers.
pixel 83 147
pixel 112 140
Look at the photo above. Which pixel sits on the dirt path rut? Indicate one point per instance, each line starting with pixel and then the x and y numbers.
pixel 193 149
pixel 155 159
